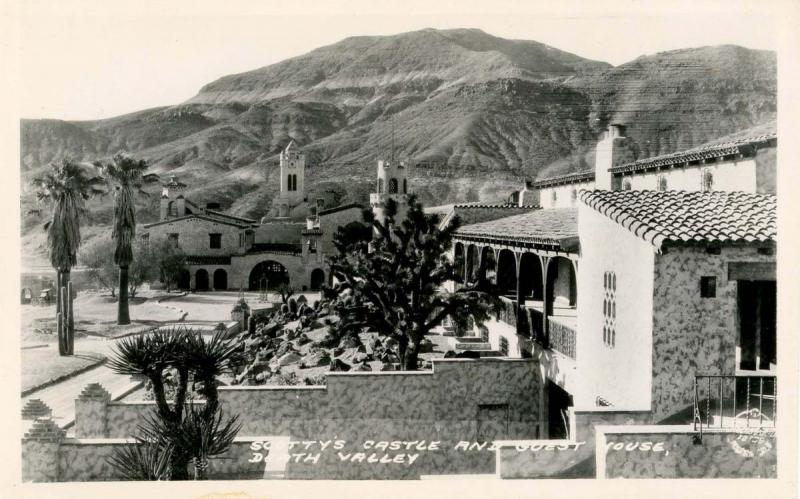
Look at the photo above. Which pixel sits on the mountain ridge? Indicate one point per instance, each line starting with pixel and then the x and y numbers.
pixel 478 113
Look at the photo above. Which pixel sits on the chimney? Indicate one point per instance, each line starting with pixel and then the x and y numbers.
pixel 612 150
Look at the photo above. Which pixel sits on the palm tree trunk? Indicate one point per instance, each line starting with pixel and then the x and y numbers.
pixel 123 315
pixel 70 314
pixel 62 340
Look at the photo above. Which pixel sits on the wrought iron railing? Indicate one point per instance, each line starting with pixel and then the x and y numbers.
pixel 562 338
pixel 729 401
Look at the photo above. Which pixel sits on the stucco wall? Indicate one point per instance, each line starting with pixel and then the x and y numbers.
pixel 693 335
pixel 676 455
pixel 767 170
pixel 194 236
pixel 279 232
pixel 564 197
pixel 728 176
pixel 330 223
pixel 619 374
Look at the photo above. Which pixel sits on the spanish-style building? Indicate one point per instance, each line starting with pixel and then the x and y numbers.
pixel 642 287
pixel 229 252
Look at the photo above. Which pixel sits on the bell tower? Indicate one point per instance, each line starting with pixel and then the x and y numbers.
pixel 293 172
pixel 392 184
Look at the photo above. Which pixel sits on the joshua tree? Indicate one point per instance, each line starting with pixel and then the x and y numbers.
pixel 391 282
pixel 66 186
pixel 127 177
pixel 186 433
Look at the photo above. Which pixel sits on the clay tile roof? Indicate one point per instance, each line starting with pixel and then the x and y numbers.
pixel 568 178
pixel 557 228
pixel 680 217
pixel 741 142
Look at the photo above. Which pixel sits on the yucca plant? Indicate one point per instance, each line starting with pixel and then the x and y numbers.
pixel 143 460
pixel 204 435
pixel 126 176
pixel 191 433
pixel 209 359
pixel 66 186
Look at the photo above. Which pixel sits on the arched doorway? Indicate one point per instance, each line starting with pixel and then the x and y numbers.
pixel 458 262
pixel 184 278
pixel 472 263
pixel 317 279
pixel 507 273
pixel 531 283
pixel 269 274
pixel 488 270
pixel 220 280
pixel 201 280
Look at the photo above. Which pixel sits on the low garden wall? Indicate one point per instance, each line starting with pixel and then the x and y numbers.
pixel 364 425
pixel 677 452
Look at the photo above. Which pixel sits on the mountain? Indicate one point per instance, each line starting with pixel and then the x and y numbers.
pixel 477 113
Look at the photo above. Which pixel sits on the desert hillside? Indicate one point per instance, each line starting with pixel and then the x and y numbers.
pixel 478 113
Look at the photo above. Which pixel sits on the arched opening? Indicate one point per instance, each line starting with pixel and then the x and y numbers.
pixel 201 280
pixel 172 209
pixel 488 269
pixel 317 279
pixel 268 275
pixel 26 295
pixel 220 280
pixel 380 186
pixel 662 183
pixel 393 186
pixel 626 185
pixel 507 273
pixel 531 285
pixel 472 263
pixel 458 262
pixel 184 279
pixel 405 186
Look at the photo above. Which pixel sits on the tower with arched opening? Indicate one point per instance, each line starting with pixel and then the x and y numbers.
pixel 393 184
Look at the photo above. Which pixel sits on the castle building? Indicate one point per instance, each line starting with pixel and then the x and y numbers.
pixel 645 289
pixel 230 252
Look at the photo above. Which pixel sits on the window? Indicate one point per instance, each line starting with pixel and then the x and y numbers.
pixel 708 181
pixel 662 183
pixel 405 186
pixel 215 241
pixel 380 186
pixel 173 238
pixel 393 186
pixel 312 245
pixel 241 240
pixel 574 195
pixel 172 209
pixel 708 286
pixel 554 197
pixel 610 309
pixel 626 185
pixel 504 346
pixel 145 238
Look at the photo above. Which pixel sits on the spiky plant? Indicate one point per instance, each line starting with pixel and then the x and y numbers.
pixel 209 359
pixel 66 186
pixel 126 175
pixel 143 460
pixel 204 435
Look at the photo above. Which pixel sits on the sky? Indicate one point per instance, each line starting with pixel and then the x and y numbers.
pixel 81 59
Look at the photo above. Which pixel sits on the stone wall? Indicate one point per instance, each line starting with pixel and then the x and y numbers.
pixel 433 417
pixel 693 335
pixel 675 452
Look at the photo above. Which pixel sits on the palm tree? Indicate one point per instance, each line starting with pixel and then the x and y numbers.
pixel 127 176
pixel 67 186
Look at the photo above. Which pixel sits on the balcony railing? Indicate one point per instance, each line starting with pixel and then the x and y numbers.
pixel 562 338
pixel 729 401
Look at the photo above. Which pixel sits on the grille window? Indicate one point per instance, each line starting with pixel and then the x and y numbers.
pixel 708 286
pixel 610 309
